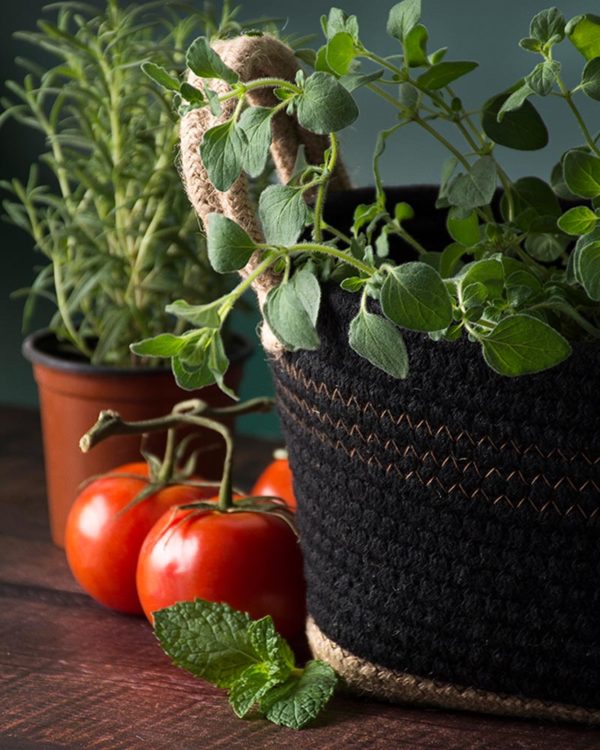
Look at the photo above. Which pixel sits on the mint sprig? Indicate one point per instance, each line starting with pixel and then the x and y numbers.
pixel 248 658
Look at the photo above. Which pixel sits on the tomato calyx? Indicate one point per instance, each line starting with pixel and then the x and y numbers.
pixel 267 505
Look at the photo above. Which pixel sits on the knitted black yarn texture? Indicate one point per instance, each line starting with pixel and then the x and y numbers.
pixel 450 522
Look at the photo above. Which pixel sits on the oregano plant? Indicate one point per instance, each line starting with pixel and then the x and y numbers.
pixel 521 275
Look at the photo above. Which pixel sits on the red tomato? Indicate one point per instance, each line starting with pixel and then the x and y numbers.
pixel 276 481
pixel 249 560
pixel 102 546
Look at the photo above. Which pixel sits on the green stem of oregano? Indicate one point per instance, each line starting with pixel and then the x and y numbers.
pixel 566 95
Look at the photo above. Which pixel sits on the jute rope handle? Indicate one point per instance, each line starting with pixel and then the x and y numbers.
pixel 251 57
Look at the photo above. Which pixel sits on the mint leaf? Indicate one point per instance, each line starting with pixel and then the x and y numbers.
pixel 222 151
pixel 202 60
pixel 229 247
pixel 325 106
pixel 249 688
pixel 442 74
pixel 380 343
pixel 271 647
pixel 163 345
pixel 302 697
pixel 403 18
pixel 255 122
pixel 283 213
pixel 208 639
pixel 414 296
pixel 521 344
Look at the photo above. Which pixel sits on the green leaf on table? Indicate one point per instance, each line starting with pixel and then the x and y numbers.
pixel 476 188
pixel 548 26
pixel 380 342
pixel 255 122
pixel 202 60
pixel 442 74
pixel 542 78
pixel 229 246
pixel 521 128
pixel 415 47
pixel 590 80
pixel 302 697
pixel 248 657
pixel 290 316
pixel 582 173
pixel 578 220
pixel 325 106
pixel 163 345
pixel 584 33
pixel 464 230
pixel 403 17
pixel 210 640
pixel 587 268
pixel 283 213
pixel 521 344
pixel 159 75
pixel 414 296
pixel 222 151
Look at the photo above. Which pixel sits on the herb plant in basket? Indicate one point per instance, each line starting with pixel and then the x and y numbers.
pixel 434 352
pixel 105 206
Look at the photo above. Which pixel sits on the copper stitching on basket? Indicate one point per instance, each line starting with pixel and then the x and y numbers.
pixel 351 401
pixel 463 467
pixel 392 468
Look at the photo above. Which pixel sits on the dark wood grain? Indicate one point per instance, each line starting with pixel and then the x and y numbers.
pixel 74 675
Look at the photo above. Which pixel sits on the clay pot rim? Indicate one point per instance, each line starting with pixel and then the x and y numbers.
pixel 38 349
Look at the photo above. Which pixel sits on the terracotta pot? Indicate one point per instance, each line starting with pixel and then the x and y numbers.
pixel 73 392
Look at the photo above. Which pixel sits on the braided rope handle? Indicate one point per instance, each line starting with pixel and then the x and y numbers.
pixel 251 57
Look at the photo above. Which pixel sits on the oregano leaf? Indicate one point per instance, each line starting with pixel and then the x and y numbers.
pixel 325 106
pixel 283 213
pixel 403 17
pixel 414 296
pixel 582 173
pixel 442 74
pixel 202 60
pixel 578 220
pixel 255 122
pixel 380 342
pixel 289 320
pixel 229 246
pixel 222 152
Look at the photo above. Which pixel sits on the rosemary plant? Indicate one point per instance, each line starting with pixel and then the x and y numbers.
pixel 105 204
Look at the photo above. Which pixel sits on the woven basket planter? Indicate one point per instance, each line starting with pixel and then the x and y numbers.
pixel 450 522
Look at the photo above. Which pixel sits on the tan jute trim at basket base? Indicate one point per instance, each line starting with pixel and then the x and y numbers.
pixel 366 678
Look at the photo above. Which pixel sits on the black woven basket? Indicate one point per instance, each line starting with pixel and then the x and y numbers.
pixel 450 521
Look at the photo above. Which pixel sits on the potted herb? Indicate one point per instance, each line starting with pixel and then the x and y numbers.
pixel 106 208
pixel 434 352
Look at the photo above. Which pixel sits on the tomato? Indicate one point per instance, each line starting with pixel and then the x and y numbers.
pixel 247 559
pixel 102 545
pixel 276 481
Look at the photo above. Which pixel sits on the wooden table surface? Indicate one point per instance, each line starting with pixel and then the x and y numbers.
pixel 74 675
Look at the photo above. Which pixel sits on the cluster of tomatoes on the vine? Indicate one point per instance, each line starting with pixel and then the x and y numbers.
pixel 179 543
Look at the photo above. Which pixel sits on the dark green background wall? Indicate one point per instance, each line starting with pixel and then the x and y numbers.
pixel 483 31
